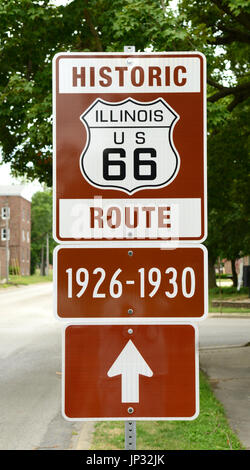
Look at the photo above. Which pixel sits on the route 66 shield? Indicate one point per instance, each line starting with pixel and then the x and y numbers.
pixel 129 145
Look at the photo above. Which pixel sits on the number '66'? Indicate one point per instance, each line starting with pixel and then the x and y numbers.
pixel 144 169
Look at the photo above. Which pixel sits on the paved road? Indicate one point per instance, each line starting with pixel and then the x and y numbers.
pixel 223 331
pixel 30 371
pixel 229 372
pixel 225 357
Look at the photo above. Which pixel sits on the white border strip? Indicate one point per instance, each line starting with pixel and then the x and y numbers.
pixel 69 54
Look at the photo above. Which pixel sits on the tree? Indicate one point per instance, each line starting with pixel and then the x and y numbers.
pixel 220 28
pixel 27 38
pixel 32 31
pixel 228 186
pixel 41 225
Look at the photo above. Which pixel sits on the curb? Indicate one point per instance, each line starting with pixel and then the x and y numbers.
pixel 85 436
pixel 228 315
pixel 226 346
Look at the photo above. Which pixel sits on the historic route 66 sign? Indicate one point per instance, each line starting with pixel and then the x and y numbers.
pixel 129 145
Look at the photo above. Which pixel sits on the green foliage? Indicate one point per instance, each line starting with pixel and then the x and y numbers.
pixel 41 225
pixel 220 29
pixel 18 280
pixel 229 292
pixel 210 431
pixel 228 185
pixel 142 24
pixel 14 270
pixel 32 31
pixel 26 43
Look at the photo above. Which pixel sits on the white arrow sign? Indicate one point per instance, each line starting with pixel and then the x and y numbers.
pixel 130 364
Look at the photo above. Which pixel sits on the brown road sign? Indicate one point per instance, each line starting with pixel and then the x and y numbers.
pixel 129 146
pixel 130 372
pixel 117 284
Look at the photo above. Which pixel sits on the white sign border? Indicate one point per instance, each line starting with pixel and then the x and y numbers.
pixel 129 417
pixel 180 53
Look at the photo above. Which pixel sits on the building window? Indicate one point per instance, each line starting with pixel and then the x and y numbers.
pixel 23 236
pixel 5 212
pixel 28 236
pixel 4 234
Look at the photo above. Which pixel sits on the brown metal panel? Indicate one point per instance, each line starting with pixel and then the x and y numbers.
pixel 170 392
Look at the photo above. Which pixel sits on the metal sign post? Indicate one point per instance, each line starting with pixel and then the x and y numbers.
pixel 130 435
pixel 130 207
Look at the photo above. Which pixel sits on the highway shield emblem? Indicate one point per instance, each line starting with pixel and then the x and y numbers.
pixel 129 145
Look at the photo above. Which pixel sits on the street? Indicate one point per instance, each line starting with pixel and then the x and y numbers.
pixel 225 356
pixel 30 367
pixel 221 332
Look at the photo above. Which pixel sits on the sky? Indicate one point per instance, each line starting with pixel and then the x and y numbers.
pixel 5 176
pixel 7 179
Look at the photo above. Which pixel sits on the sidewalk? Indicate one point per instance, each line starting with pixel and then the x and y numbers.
pixel 83 440
pixel 228 369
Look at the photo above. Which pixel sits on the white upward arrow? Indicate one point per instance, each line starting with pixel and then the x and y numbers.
pixel 130 364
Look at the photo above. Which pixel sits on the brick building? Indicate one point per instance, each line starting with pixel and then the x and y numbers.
pixel 15 229
pixel 227 268
pixel 3 264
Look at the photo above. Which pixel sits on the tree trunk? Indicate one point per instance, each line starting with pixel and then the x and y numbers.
pixel 211 273
pixel 234 273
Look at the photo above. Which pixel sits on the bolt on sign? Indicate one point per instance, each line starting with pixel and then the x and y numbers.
pixel 129 146
pixel 119 284
pixel 130 372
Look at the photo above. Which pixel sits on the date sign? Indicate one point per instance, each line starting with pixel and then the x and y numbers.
pixel 122 283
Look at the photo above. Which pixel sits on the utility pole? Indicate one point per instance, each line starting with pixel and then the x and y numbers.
pixel 42 262
pixel 7 215
pixel 47 254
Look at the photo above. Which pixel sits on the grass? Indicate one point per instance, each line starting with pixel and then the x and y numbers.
pixel 210 431
pixel 228 293
pixel 17 280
